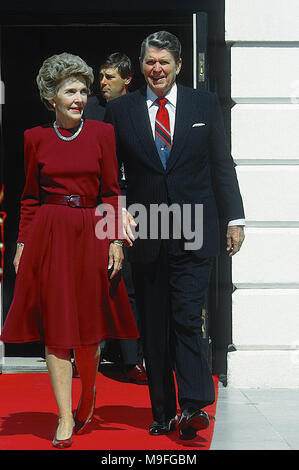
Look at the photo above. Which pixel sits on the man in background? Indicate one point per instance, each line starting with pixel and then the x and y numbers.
pixel 115 76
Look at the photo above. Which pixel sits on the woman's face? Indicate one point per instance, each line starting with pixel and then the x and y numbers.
pixel 70 101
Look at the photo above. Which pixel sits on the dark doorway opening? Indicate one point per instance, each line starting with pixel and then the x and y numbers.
pixel 31 38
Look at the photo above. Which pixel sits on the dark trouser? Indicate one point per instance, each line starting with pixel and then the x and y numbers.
pixel 170 295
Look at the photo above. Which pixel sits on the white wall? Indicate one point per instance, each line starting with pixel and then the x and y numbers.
pixel 261 20
pixel 260 131
pixel 264 40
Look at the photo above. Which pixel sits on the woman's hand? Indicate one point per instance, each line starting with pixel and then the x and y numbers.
pixel 17 257
pixel 116 258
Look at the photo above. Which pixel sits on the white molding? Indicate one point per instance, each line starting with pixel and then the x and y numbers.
pixel 266 285
pixel 265 161
pixel 264 74
pixel 261 20
pixel 263 369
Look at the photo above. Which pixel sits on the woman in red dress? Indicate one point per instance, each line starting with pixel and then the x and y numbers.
pixel 68 291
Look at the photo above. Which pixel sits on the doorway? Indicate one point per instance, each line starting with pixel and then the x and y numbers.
pixel 23 49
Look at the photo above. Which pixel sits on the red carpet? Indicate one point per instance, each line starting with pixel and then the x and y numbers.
pixel 28 417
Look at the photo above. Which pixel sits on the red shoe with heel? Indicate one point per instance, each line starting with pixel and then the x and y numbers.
pixel 63 443
pixel 80 426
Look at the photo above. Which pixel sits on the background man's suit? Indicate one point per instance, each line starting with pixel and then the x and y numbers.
pixel 200 170
pixel 94 108
pixel 131 350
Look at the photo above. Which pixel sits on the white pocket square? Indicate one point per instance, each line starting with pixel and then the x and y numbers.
pixel 198 124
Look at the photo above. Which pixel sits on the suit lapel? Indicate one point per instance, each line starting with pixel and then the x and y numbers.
pixel 141 123
pixel 186 114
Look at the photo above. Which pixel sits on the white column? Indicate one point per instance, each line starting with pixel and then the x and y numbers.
pixel 264 41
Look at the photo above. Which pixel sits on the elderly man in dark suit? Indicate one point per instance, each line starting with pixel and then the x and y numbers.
pixel 172 142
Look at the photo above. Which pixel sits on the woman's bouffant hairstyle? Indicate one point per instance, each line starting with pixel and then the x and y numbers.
pixel 57 68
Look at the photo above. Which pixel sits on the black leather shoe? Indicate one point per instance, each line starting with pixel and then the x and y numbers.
pixel 157 429
pixel 191 421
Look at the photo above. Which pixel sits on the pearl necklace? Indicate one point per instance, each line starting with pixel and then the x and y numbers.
pixel 72 137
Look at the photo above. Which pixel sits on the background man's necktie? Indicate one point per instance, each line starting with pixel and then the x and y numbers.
pixel 162 132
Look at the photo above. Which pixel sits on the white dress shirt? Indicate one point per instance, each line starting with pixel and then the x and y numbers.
pixel 153 107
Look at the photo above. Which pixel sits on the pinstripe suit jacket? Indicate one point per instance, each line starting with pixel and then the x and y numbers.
pixel 200 169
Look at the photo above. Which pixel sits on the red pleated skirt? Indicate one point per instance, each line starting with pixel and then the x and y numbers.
pixel 63 295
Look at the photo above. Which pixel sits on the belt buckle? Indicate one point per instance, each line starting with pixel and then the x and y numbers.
pixel 71 202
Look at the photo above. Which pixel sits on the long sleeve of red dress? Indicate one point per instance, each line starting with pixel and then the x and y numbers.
pixel 30 200
pixel 63 294
pixel 110 191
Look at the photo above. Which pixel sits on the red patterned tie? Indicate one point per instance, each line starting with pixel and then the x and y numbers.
pixel 162 131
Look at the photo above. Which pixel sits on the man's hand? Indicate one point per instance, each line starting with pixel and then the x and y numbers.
pixel 235 237
pixel 128 222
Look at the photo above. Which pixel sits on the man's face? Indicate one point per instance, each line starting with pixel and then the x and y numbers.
pixel 160 70
pixel 112 85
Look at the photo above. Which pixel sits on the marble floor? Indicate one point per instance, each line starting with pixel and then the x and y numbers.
pixel 256 419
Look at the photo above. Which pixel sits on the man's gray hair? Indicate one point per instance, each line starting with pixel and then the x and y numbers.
pixel 55 69
pixel 162 40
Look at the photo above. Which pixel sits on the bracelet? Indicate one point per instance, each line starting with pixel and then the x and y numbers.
pixel 118 242
pixel 20 244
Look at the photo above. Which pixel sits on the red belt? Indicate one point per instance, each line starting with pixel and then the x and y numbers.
pixel 72 200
